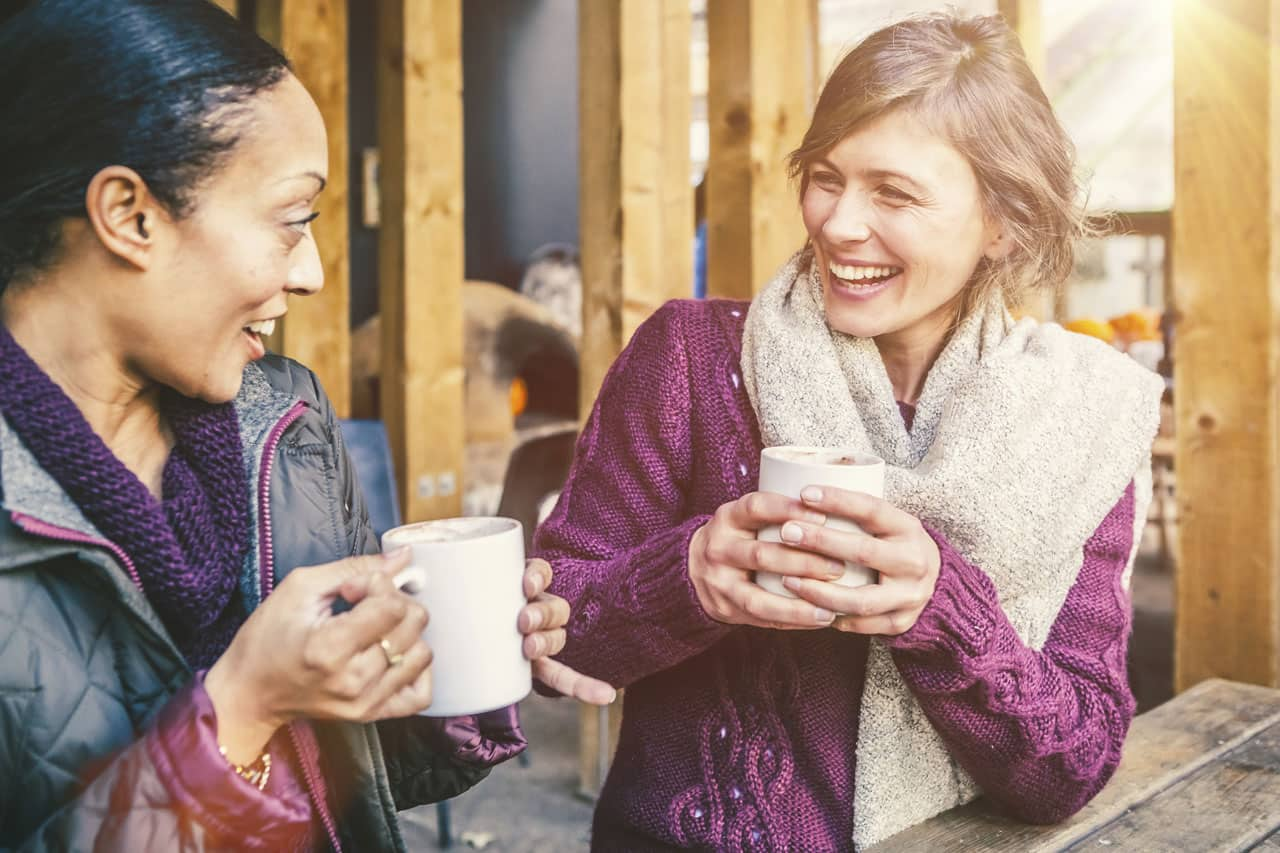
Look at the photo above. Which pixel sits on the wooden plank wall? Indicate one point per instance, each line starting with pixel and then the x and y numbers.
pixel 635 196
pixel 317 329
pixel 420 249
pixel 635 206
pixel 761 89
pixel 1025 17
pixel 1226 272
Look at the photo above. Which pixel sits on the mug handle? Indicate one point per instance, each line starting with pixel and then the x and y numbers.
pixel 411 581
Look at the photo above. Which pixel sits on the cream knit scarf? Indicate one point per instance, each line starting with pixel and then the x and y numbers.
pixel 1024 438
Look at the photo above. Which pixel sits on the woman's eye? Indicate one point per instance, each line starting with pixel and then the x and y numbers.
pixel 301 224
pixel 894 194
pixel 826 180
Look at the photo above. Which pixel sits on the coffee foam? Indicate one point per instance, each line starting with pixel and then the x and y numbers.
pixel 449 530
pixel 833 456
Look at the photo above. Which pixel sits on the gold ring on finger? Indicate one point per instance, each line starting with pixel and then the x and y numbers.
pixel 392 659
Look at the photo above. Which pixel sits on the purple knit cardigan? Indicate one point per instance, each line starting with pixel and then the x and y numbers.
pixel 739 738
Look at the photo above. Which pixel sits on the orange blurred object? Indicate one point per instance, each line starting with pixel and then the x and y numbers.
pixel 1092 327
pixel 519 396
pixel 1140 325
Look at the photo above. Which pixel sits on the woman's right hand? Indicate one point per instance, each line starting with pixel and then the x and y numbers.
pixel 724 553
pixel 294 657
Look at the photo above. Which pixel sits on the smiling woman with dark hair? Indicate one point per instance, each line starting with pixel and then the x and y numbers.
pixel 180 514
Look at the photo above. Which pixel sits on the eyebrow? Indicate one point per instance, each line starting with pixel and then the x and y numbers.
pixel 319 178
pixel 876 174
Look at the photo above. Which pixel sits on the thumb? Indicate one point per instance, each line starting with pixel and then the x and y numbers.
pixel 329 578
pixel 375 568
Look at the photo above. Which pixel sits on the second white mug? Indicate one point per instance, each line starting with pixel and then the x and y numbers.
pixel 788 469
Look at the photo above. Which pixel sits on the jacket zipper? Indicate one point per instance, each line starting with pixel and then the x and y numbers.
pixel 36 527
pixel 266 569
pixel 266 583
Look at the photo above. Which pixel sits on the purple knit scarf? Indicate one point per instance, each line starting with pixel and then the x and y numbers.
pixel 188 548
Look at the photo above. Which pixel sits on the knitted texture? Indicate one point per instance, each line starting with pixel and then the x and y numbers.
pixel 187 548
pixel 738 738
pixel 1024 437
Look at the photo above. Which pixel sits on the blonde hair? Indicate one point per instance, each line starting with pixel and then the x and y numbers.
pixel 968 78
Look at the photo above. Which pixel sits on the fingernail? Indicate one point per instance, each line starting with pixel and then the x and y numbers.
pixel 812 494
pixel 817 518
pixel 395 553
pixel 792 532
pixel 823 617
pixel 836 571
pixel 792 584
pixel 535 619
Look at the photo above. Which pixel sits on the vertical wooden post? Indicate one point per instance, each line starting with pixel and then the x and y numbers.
pixel 317 329
pixel 1025 16
pixel 635 206
pixel 420 249
pixel 1026 19
pixel 1227 283
pixel 759 98
pixel 635 199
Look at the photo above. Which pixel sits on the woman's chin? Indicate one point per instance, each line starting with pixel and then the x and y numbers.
pixel 858 323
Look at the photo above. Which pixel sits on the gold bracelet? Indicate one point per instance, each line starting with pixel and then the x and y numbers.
pixel 256 774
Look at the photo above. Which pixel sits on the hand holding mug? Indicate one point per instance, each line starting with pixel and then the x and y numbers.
pixel 294 657
pixel 724 553
pixel 894 543
pixel 542 624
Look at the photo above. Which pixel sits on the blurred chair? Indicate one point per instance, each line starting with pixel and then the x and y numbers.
pixel 370 453
pixel 536 470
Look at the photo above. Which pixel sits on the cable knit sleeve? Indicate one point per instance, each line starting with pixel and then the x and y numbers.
pixel 618 539
pixel 1040 731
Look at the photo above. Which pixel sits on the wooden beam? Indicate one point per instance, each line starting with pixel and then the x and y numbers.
pixel 317 329
pixel 635 194
pixel 1227 268
pixel 231 7
pixel 1026 19
pixel 1024 16
pixel 420 249
pixel 759 99
pixel 636 210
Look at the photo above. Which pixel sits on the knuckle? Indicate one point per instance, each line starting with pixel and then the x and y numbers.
pixel 349 686
pixel 759 555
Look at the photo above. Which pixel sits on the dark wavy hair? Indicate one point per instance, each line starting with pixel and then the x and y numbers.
pixel 155 85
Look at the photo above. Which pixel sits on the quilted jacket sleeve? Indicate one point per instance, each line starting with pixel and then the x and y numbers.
pixel 171 790
pixel 422 766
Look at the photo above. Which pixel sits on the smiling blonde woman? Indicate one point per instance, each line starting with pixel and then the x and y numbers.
pixel 936 186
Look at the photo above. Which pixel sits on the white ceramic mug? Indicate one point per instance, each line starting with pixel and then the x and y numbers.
pixel 787 470
pixel 469 574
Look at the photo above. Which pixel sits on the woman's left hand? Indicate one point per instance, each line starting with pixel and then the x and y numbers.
pixel 542 623
pixel 894 543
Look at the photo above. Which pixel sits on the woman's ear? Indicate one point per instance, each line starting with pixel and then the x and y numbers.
pixel 999 245
pixel 124 215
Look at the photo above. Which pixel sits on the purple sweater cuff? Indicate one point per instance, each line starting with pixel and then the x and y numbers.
pixel 635 613
pixel 959 620
pixel 184 747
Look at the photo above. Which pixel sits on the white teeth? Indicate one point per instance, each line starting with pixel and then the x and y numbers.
pixel 853 273
pixel 262 327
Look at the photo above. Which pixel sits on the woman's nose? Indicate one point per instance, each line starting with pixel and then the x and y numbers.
pixel 306 273
pixel 850 220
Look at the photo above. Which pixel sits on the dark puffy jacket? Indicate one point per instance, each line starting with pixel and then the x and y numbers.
pixel 86 667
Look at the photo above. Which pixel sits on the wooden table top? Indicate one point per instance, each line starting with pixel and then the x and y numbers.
pixel 1200 772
